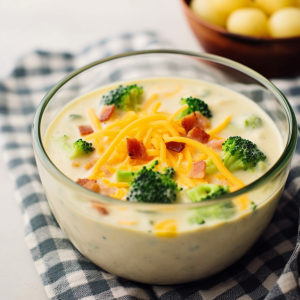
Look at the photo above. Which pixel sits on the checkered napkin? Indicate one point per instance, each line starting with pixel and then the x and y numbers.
pixel 268 271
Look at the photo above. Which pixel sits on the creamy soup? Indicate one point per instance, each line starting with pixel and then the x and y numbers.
pixel 162 242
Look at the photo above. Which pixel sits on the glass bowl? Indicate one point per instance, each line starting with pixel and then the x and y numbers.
pixel 171 252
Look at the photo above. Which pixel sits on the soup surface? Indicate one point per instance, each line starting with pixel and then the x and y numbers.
pixel 230 113
pixel 160 238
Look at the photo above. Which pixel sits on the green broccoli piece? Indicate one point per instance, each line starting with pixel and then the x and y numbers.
pixel 253 122
pixel 222 211
pixel 78 148
pixel 127 176
pixel 210 167
pixel 239 153
pixel 169 172
pixel 124 97
pixel 206 191
pixel 149 186
pixel 194 105
pixel 253 205
pixel 75 116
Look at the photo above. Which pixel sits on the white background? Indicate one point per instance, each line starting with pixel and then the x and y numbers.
pixel 64 25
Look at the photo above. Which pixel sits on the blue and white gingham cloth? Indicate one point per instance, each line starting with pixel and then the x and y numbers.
pixel 268 271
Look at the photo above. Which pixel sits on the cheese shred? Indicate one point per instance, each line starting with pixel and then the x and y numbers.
pixel 213 155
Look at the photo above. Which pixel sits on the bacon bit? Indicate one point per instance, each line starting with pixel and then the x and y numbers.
pixel 202 120
pixel 189 122
pixel 107 190
pixel 75 164
pixel 89 184
pixel 135 148
pixel 198 135
pixel 197 170
pixel 195 120
pixel 175 146
pixel 106 171
pixel 100 209
pixel 215 144
pixel 85 129
pixel 106 112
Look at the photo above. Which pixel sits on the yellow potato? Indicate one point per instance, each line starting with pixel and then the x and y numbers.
pixel 228 6
pixel 285 23
pixel 248 21
pixel 205 10
pixel 270 6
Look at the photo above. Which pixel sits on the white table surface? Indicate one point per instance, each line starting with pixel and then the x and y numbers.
pixel 64 25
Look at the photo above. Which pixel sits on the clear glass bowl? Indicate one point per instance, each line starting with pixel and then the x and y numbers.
pixel 173 251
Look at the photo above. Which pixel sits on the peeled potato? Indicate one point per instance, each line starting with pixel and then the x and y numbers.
pixel 228 6
pixel 285 23
pixel 248 21
pixel 270 6
pixel 205 10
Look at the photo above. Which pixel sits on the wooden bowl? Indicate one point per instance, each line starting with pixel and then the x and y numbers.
pixel 273 58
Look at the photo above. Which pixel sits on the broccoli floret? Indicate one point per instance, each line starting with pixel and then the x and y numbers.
pixel 239 153
pixel 194 105
pixel 206 192
pixel 78 148
pixel 127 176
pixel 149 186
pixel 170 172
pixel 220 211
pixel 253 122
pixel 124 97
pixel 210 167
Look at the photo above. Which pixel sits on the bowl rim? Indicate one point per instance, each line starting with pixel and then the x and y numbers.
pixel 277 167
pixel 225 32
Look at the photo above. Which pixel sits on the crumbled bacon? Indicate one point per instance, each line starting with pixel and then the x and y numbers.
pixel 89 184
pixel 215 144
pixel 195 120
pixel 100 209
pixel 198 135
pixel 106 171
pixel 135 148
pixel 189 122
pixel 106 112
pixel 197 170
pixel 203 121
pixel 175 146
pixel 107 190
pixel 85 129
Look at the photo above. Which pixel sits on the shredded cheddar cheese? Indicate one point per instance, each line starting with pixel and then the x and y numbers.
pixel 220 127
pixel 177 112
pixel 115 184
pixel 167 228
pixel 94 120
pixel 150 101
pixel 215 158
pixel 155 107
pixel 122 135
